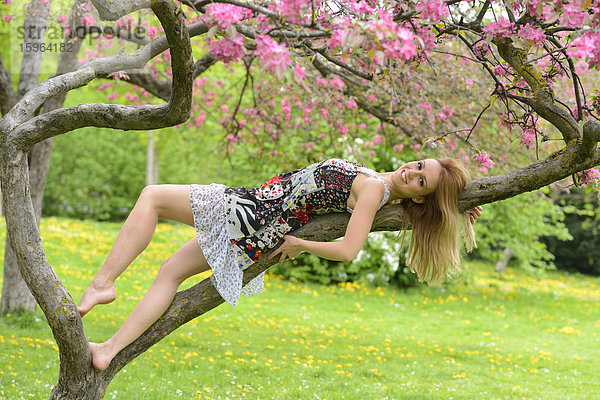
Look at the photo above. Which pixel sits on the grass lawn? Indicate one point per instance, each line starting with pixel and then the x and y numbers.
pixel 483 336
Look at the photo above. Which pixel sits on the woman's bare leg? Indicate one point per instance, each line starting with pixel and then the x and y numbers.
pixel 187 261
pixel 159 201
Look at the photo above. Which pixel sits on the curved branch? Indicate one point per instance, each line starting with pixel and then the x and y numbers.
pixel 113 10
pixel 26 134
pixel 573 158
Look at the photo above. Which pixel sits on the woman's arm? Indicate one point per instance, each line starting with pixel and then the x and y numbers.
pixel 369 196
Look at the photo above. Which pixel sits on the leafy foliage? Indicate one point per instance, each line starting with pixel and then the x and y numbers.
pixel 102 182
pixel 582 253
pixel 518 224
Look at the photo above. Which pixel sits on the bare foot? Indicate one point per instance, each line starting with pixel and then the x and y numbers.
pixel 101 358
pixel 93 295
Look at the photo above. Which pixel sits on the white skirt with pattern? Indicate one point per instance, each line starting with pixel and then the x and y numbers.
pixel 207 203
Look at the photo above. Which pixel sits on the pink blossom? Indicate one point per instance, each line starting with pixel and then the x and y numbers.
pixel 227 49
pixel 299 74
pixel 528 138
pixel 501 28
pixel 7 18
pixel 433 10
pixel 152 31
pixel 226 14
pixel 88 20
pixel 362 7
pixel 336 83
pixel 483 158
pixel 112 96
pixel 532 33
pixel 398 148
pixel 294 11
pixel 336 38
pixel 499 70
pixel 274 57
pixel 481 49
pixel 591 175
pixel 343 129
pixel 232 139
pixel 378 139
pixel 587 46
pixel 351 104
pixel 572 15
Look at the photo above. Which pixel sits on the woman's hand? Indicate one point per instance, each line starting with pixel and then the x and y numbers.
pixel 475 213
pixel 290 248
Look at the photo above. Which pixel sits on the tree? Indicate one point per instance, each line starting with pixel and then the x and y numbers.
pixel 363 51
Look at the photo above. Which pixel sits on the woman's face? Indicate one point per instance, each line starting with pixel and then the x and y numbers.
pixel 417 179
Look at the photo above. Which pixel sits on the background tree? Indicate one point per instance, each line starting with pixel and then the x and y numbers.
pixel 333 55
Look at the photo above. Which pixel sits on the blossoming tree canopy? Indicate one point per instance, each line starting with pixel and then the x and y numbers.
pixel 318 69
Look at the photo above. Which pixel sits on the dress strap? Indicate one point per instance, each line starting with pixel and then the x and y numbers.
pixel 373 174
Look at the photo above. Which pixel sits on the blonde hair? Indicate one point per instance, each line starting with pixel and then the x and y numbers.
pixel 437 226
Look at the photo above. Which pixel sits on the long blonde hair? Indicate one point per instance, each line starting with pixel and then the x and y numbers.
pixel 437 226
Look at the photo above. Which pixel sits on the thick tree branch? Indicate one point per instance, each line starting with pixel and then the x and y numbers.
pixel 26 134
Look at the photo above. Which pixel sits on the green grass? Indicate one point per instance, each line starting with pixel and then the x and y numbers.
pixel 481 337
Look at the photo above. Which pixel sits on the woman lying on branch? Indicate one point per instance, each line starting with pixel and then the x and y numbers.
pixel 236 226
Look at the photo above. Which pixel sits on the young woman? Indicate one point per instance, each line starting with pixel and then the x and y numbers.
pixel 235 226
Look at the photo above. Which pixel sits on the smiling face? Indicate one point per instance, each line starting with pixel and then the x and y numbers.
pixel 417 179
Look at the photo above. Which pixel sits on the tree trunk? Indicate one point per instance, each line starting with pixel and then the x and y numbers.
pixel 151 160
pixel 15 294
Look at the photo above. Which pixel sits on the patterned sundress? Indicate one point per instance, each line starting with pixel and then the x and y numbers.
pixel 235 226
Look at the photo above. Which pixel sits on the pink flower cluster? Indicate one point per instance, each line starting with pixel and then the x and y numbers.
pixel 587 47
pixel 88 20
pixel 532 33
pixel 295 11
pixel 481 49
pixel 483 158
pixel 226 14
pixel 588 176
pixel 528 137
pixel 227 49
pixel 432 10
pixel 274 57
pixel 503 27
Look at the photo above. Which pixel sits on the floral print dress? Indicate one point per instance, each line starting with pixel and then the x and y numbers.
pixel 254 220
